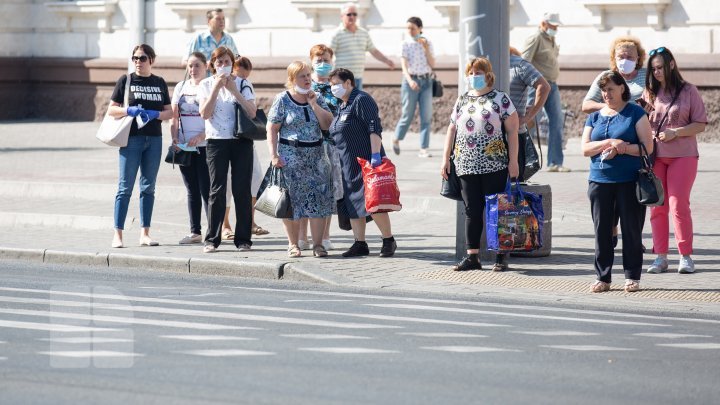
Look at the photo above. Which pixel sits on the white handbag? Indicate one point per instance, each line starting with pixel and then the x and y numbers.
pixel 115 131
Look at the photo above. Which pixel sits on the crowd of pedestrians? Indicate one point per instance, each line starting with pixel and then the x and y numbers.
pixel 323 121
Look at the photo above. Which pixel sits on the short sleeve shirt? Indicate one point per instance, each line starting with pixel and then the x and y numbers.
pixel 636 84
pixel 522 76
pixel 480 144
pixel 149 92
pixel 542 51
pixel 298 120
pixel 350 48
pixel 222 123
pixel 414 54
pixel 621 168
pixel 688 108
pixel 206 44
pixel 192 124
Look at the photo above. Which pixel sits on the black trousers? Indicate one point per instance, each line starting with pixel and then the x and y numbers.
pixel 607 199
pixel 474 189
pixel 238 155
pixel 197 182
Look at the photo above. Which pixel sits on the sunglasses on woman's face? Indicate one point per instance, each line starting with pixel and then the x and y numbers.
pixel 143 58
pixel 656 51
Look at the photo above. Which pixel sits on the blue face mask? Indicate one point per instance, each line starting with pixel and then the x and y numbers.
pixel 476 82
pixel 551 32
pixel 323 69
pixel 416 37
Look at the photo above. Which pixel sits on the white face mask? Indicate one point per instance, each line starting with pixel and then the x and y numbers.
pixel 551 32
pixel 625 66
pixel 338 90
pixel 300 90
pixel 225 70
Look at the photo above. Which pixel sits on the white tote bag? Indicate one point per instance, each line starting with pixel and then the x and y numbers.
pixel 115 131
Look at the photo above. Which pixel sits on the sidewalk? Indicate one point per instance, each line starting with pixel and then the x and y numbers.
pixel 57 188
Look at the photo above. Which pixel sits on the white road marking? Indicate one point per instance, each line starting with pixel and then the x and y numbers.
pixel 86 340
pixel 203 338
pixel 588 348
pixel 51 327
pixel 162 288
pixel 91 353
pixel 324 337
pixel 441 334
pixel 556 333
pixel 469 349
pixel 225 353
pixel 318 301
pixel 699 346
pixel 3 358
pixel 193 295
pixel 519 315
pixel 346 350
pixel 670 335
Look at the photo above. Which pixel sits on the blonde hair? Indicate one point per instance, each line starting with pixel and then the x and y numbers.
pixel 627 41
pixel 292 71
pixel 483 64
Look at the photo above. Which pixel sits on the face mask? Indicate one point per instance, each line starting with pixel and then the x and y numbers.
pixel 476 82
pixel 416 37
pixel 322 69
pixel 300 90
pixel 225 70
pixel 551 32
pixel 338 90
pixel 625 66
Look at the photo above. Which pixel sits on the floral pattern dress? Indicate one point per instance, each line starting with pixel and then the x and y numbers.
pixel 480 145
pixel 307 170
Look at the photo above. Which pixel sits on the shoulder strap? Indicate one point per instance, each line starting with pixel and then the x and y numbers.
pixel 243 85
pixel 662 121
pixel 126 100
pixel 181 130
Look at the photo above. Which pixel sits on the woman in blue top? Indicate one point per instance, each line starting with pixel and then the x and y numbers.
pixel 611 138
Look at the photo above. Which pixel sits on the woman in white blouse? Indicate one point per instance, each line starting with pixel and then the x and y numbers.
pixel 417 66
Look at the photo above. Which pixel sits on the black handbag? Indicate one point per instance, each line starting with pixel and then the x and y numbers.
pixel 533 159
pixel 648 189
pixel 451 188
pixel 275 199
pixel 250 128
pixel 177 156
pixel 437 87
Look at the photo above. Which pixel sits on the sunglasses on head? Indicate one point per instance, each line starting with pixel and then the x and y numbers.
pixel 656 51
pixel 143 58
pixel 351 14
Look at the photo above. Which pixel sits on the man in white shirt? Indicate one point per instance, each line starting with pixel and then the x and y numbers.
pixel 207 41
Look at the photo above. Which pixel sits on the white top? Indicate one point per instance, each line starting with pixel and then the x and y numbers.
pixel 222 123
pixel 414 54
pixel 185 97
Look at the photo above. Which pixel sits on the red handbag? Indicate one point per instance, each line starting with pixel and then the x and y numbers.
pixel 381 190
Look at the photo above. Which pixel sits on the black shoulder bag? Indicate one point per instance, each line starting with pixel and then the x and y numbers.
pixel 452 188
pixel 249 128
pixel 648 189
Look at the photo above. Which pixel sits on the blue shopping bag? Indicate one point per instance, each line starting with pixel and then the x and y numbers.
pixel 514 220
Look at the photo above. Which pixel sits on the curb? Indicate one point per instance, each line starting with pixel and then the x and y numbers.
pixel 297 272
pixel 263 270
pixel 81 258
pixel 178 265
pixel 31 255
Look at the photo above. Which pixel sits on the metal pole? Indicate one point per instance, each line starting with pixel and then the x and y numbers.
pixel 136 28
pixel 484 31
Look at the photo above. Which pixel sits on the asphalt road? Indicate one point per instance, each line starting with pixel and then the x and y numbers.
pixel 70 335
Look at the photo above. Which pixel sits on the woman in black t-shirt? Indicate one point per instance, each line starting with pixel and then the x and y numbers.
pixel 149 103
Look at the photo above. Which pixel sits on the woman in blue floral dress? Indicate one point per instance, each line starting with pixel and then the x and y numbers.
pixel 484 156
pixel 295 121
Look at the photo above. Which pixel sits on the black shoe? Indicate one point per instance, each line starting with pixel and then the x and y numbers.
pixel 359 248
pixel 615 241
pixel 467 264
pixel 388 248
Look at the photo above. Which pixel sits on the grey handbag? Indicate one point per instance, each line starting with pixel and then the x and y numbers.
pixel 275 199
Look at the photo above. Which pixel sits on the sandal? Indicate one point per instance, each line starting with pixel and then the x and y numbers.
pixel 600 286
pixel 228 234
pixel 499 267
pixel 258 230
pixel 294 251
pixel 319 251
pixel 632 285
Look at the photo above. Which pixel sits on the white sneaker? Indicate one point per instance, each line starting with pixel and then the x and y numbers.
pixel 552 168
pixel 660 265
pixel 424 153
pixel 686 265
pixel 190 239
pixel 303 244
pixel 327 244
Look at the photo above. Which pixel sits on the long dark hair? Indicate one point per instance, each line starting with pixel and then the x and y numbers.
pixel 673 79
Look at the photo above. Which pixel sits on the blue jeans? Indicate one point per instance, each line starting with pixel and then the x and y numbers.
pixel 556 121
pixel 358 83
pixel 141 152
pixel 410 98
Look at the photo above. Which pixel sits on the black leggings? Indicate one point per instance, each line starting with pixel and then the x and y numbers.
pixel 474 189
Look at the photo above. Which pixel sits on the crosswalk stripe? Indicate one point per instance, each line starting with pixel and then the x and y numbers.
pixel 347 350
pixel 441 334
pixel 85 340
pixel 323 336
pixel 205 338
pixel 225 353
pixel 670 335
pixel 469 349
pixel 318 301
pixel 691 345
pixel 556 333
pixel 91 353
pixel 118 319
pixel 588 348
pixel 51 327
pixel 520 315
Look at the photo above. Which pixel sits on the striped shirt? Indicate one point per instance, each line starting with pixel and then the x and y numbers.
pixel 205 43
pixel 522 75
pixel 636 84
pixel 350 48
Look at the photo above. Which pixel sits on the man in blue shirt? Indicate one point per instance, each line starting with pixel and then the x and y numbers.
pixel 207 41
